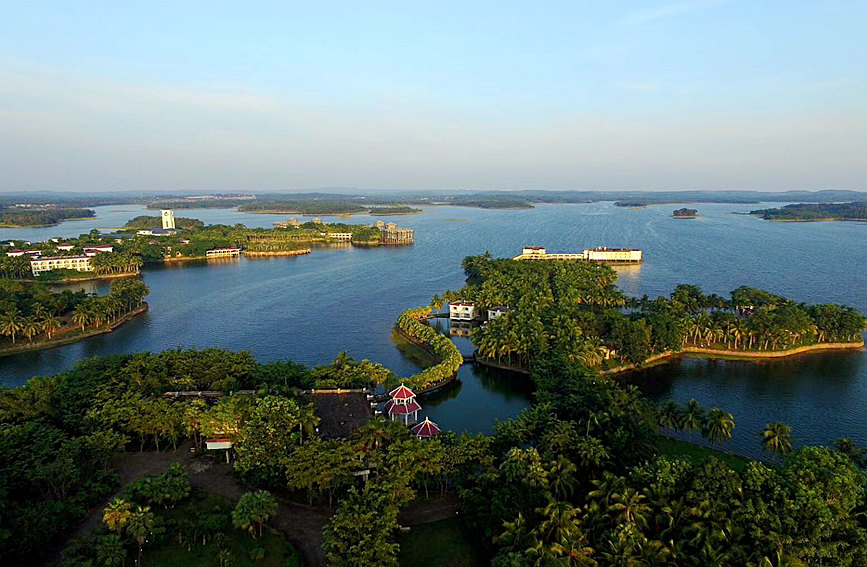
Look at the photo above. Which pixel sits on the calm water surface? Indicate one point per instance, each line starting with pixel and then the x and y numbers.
pixel 310 308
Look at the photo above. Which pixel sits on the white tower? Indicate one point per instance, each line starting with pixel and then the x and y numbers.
pixel 168 219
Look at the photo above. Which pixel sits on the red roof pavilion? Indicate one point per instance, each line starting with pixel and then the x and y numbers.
pixel 401 393
pixel 401 409
pixel 426 429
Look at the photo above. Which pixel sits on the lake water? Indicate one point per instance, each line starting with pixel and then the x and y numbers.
pixel 309 308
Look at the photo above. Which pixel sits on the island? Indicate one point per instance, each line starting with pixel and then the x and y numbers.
pixel 21 216
pixel 684 213
pixel 393 210
pixel 810 212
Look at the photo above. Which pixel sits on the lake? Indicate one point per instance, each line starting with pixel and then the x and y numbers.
pixel 309 308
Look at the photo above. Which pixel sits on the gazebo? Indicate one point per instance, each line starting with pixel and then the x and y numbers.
pixel 426 429
pixel 402 405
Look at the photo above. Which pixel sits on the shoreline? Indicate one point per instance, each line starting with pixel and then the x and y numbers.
pixel 73 336
pixel 87 279
pixel 262 254
pixel 700 352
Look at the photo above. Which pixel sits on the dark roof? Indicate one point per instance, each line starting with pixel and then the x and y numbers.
pixel 340 414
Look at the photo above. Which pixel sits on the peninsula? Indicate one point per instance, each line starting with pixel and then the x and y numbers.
pixel 810 212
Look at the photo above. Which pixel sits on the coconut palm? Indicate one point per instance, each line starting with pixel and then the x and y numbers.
pixel 30 327
pixel 669 415
pixel 777 438
pixel 693 417
pixel 140 525
pixel 50 324
pixel 718 426
pixel 561 477
pixel 629 507
pixel 81 316
pixel 11 324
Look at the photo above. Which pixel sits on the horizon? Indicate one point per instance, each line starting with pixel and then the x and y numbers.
pixel 652 96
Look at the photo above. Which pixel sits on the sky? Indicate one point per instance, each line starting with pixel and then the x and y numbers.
pixel 587 95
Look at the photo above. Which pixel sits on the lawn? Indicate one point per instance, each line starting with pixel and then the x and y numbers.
pixel 675 448
pixel 440 544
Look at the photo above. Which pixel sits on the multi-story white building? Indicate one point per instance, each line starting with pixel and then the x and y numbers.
pixel 78 263
pixel 499 311
pixel 462 311
pixel 611 255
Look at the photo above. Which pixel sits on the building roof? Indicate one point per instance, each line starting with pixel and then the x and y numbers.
pixel 402 409
pixel 401 393
pixel 463 304
pixel 60 258
pixel 426 429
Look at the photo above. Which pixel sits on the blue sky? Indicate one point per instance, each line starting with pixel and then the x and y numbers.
pixel 690 94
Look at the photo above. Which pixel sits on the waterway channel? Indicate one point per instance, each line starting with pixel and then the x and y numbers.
pixel 309 308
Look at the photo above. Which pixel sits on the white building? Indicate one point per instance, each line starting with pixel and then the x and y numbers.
pixel 342 236
pixel 77 263
pixel 494 312
pixel 611 255
pixel 168 219
pixel 462 311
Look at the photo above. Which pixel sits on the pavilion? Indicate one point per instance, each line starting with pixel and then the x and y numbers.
pixel 426 429
pixel 402 405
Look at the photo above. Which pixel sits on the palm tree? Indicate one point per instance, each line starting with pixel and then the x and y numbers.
pixel 30 327
pixel 140 525
pixel 81 315
pixel 669 415
pixel 437 302
pixel 561 477
pixel 777 438
pixel 559 521
pixel 51 324
pixel 719 426
pixel 116 515
pixel 693 417
pixel 629 507
pixel 10 324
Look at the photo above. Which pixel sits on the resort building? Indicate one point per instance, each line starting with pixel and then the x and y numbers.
pixel 341 236
pixel 602 254
pixel 293 222
pixel 157 231
pixel 65 247
pixel 223 252
pixel 402 405
pixel 78 263
pixel 168 219
pixel 393 234
pixel 426 429
pixel 94 250
pixel 18 252
pixel 462 311
pixel 499 311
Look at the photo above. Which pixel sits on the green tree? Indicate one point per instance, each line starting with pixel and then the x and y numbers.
pixel 253 511
pixel 777 439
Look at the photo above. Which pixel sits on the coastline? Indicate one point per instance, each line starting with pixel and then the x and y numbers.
pixel 73 336
pixel 700 352
pixel 87 279
pixel 261 254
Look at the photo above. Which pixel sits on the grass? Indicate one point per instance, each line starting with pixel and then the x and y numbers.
pixel 168 553
pixel 674 448
pixel 440 544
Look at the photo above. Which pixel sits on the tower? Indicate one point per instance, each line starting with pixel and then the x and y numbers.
pixel 168 219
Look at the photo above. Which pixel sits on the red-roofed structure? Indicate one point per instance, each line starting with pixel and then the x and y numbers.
pixel 402 405
pixel 426 429
pixel 401 393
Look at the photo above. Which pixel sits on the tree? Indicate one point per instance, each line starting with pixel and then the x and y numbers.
pixel 110 551
pixel 116 515
pixel 693 417
pixel 140 525
pixel 11 324
pixel 50 324
pixel 253 511
pixel 718 426
pixel 777 438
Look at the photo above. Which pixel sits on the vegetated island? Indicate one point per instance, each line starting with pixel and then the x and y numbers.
pixel 303 207
pixel 302 444
pixel 685 213
pixel 574 310
pixel 394 210
pixel 807 212
pixel 142 241
pixel 21 216
pixel 32 317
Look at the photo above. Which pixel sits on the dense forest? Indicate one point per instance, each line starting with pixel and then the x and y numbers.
pixel 393 210
pixel 40 216
pixel 303 207
pixel 582 478
pixel 575 310
pixel 684 213
pixel 816 211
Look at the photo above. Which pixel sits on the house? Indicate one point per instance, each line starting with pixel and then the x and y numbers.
pixel 94 250
pixel 157 231
pixel 463 310
pixel 65 247
pixel 499 311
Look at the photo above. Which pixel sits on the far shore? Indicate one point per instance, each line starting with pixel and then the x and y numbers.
pixel 74 334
